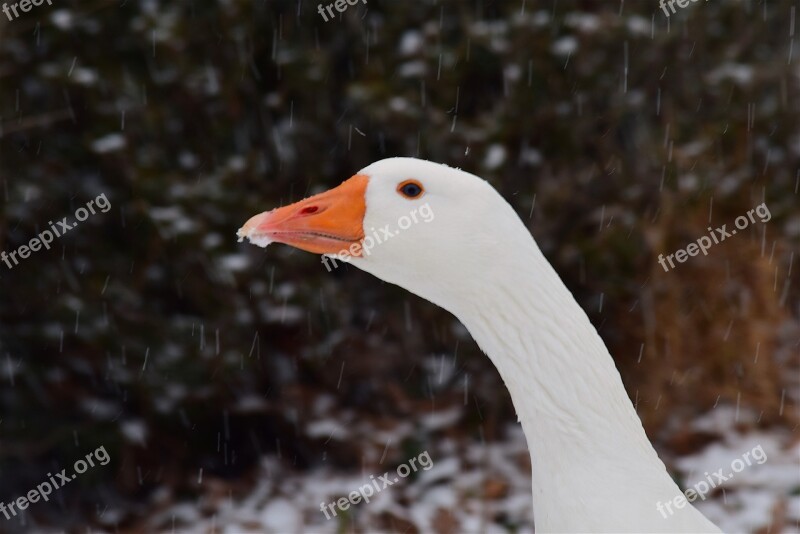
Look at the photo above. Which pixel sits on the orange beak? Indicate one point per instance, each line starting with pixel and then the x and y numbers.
pixel 327 223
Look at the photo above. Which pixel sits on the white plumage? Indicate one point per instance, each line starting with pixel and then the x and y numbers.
pixel 593 468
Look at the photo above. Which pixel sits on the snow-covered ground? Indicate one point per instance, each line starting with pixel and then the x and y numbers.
pixel 485 487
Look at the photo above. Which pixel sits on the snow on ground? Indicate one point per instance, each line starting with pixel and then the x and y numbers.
pixel 480 488
pixel 485 487
pixel 762 472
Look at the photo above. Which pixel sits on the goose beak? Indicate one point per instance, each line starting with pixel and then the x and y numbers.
pixel 327 223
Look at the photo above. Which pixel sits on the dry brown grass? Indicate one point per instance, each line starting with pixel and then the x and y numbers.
pixel 709 326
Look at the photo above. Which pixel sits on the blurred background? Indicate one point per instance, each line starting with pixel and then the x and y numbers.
pixel 235 388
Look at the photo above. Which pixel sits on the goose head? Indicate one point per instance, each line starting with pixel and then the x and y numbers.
pixel 449 237
pixel 429 228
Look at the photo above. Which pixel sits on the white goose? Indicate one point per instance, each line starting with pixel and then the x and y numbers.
pixel 593 468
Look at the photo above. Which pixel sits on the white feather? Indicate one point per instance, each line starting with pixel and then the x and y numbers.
pixel 594 469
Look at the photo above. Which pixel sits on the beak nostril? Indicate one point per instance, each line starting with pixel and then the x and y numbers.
pixel 308 210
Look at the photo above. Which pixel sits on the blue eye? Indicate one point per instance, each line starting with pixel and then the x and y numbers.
pixel 410 189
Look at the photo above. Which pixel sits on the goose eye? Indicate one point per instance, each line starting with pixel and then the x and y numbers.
pixel 410 189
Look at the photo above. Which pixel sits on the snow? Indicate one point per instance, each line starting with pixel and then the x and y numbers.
pixel 557 61
pixel 84 76
pixel 62 19
pixel 281 516
pixel 565 46
pixel 740 74
pixel 109 143
pixel 792 226
pixel 530 157
pixel 135 432
pixel 399 104
pixel 639 26
pixel 234 262
pixel 287 501
pixel 768 465
pixel 412 69
pixel 583 22
pixel 411 43
pixel 257 240
pixel 441 419
pixel 495 157
pixel 173 221
pixel 327 429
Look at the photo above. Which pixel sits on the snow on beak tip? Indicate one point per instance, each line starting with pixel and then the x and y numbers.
pixel 249 231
